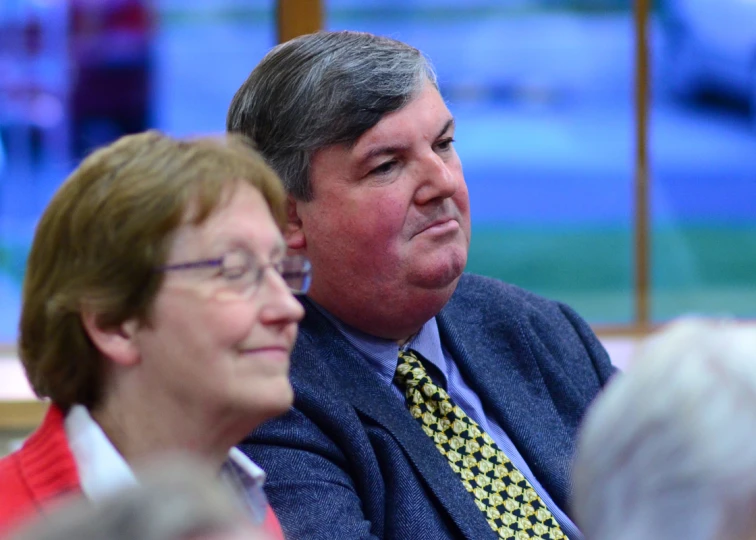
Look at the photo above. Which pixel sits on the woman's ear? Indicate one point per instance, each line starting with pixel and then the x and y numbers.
pixel 294 233
pixel 118 343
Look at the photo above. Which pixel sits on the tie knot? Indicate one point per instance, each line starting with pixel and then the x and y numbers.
pixel 411 373
pixel 409 367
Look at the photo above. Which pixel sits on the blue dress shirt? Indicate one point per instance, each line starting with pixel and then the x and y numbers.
pixel 383 355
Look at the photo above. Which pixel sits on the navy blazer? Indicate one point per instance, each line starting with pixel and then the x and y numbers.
pixel 349 461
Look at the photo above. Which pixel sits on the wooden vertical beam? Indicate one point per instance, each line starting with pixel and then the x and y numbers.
pixel 298 17
pixel 642 181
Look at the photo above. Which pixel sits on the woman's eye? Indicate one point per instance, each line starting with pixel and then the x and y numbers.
pixel 384 168
pixel 235 272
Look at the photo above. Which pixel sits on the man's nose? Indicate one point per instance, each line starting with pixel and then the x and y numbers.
pixel 437 180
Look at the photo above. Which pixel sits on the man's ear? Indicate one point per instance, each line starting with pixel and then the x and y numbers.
pixel 117 343
pixel 294 233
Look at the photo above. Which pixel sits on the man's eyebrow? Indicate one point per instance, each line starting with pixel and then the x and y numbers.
pixel 447 126
pixel 396 148
pixel 383 150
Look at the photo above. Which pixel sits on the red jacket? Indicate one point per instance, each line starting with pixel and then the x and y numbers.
pixel 44 471
pixel 41 472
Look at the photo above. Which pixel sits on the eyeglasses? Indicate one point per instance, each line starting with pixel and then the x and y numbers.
pixel 243 273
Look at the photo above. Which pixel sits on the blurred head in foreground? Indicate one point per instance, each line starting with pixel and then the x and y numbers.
pixel 179 499
pixel 667 451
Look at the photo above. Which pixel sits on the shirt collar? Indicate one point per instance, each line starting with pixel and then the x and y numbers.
pixel 246 466
pixel 383 354
pixel 102 469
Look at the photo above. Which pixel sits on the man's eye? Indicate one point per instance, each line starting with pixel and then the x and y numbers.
pixel 445 144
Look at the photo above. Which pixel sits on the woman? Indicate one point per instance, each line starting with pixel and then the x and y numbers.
pixel 157 317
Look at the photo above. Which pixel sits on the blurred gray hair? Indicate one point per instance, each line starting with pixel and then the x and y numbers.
pixel 668 451
pixel 323 89
pixel 176 500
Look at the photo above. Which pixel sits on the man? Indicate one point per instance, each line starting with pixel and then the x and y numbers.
pixel 429 403
pixel 667 451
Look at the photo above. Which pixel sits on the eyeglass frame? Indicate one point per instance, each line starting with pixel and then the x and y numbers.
pixel 252 263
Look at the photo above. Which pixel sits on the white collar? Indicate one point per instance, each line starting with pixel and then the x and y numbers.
pixel 102 469
pixel 247 466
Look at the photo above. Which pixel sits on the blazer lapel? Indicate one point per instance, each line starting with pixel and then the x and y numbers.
pixel 512 389
pixel 371 397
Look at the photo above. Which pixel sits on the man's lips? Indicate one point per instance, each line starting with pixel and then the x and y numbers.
pixel 441 226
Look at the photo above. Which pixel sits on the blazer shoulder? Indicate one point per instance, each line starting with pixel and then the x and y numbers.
pixel 491 295
pixel 489 310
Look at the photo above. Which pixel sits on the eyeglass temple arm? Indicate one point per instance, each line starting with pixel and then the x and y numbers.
pixel 190 265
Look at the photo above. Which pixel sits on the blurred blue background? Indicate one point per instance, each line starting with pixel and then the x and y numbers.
pixel 542 92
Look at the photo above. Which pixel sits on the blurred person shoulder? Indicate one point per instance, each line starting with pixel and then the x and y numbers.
pixel 179 497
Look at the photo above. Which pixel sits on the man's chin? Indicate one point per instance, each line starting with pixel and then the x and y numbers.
pixel 442 275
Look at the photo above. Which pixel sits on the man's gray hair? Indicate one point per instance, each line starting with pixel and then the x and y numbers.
pixel 668 451
pixel 323 89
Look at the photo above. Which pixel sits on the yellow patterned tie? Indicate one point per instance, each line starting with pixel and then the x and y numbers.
pixel 512 507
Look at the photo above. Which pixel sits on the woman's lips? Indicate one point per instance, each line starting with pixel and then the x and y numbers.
pixel 273 351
